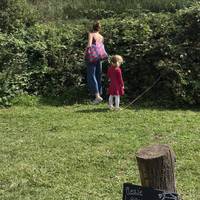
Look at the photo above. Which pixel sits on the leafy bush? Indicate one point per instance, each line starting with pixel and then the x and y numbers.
pixel 15 14
pixel 53 60
pixel 48 60
pixel 92 9
pixel 13 59
pixel 159 45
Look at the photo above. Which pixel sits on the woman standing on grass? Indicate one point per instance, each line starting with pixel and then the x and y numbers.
pixel 95 48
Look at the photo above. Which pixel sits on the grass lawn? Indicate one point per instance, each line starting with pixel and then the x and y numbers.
pixel 85 152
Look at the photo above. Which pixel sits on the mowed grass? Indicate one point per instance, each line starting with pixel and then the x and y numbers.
pixel 86 152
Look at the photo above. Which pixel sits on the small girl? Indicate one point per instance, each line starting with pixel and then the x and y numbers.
pixel 116 86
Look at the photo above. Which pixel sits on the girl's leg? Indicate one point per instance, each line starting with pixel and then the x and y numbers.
pixel 91 78
pixel 110 101
pixel 98 76
pixel 117 101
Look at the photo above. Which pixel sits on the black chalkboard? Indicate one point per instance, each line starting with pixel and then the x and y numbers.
pixel 135 192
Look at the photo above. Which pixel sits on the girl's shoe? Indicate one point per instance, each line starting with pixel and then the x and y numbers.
pixel 111 107
pixel 118 109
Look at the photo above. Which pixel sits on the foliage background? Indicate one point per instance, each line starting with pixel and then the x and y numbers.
pixel 70 9
pixel 43 55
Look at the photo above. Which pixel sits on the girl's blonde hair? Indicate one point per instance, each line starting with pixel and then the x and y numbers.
pixel 117 60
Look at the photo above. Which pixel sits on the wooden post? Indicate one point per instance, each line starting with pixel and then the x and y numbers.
pixel 156 165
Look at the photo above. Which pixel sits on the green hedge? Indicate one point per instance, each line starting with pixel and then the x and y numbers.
pixel 160 44
pixel 16 14
pixel 43 60
pixel 48 59
pixel 92 9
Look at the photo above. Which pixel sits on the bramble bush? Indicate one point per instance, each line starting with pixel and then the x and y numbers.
pixel 48 59
pixel 54 62
pixel 16 14
pixel 92 9
pixel 159 44
pixel 13 59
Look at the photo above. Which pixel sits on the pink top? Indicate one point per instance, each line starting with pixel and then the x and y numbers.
pixel 116 86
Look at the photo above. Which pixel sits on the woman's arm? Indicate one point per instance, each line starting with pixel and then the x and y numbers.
pixel 90 37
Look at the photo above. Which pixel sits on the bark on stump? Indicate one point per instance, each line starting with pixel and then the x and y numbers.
pixel 156 165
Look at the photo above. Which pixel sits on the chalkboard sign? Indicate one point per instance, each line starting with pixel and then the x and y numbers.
pixel 135 192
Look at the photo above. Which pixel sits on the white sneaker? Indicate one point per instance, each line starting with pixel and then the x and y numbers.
pixel 98 100
pixel 111 107
pixel 118 108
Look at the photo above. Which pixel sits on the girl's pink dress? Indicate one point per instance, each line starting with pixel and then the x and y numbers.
pixel 116 86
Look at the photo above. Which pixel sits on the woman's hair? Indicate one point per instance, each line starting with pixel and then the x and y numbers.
pixel 96 26
pixel 117 60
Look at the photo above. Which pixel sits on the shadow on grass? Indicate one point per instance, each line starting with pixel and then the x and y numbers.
pixel 59 101
pixel 93 110
pixel 149 106
pixel 73 95
pixel 54 101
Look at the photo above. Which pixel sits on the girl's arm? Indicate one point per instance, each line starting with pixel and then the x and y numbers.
pixel 108 73
pixel 119 77
pixel 90 37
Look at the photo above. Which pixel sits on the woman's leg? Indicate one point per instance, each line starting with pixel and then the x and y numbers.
pixel 91 78
pixel 117 101
pixel 98 74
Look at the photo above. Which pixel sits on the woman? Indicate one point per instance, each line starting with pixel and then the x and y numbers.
pixel 94 69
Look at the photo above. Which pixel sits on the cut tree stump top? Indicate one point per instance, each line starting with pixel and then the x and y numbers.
pixel 154 151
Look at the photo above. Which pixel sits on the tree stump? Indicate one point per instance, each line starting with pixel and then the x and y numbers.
pixel 156 165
